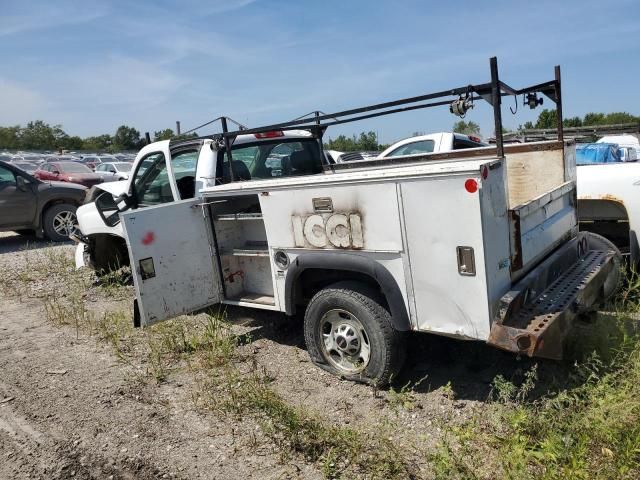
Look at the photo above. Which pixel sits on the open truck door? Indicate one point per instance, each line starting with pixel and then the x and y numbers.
pixel 173 260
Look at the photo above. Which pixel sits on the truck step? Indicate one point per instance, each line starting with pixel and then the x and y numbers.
pixel 559 295
pixel 538 326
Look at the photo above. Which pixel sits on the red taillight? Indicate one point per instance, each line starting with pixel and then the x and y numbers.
pixel 273 134
pixel 471 185
pixel 474 139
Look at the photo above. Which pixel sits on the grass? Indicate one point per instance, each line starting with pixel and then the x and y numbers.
pixel 342 452
pixel 586 428
pixel 43 273
pixel 235 385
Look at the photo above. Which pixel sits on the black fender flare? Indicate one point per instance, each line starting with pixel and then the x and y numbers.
pixel 350 263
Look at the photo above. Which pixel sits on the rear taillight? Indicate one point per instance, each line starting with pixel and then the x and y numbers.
pixel 471 185
pixel 273 134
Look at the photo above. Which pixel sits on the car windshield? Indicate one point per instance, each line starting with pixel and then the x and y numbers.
pixel 413 148
pixel 123 166
pixel 597 153
pixel 73 167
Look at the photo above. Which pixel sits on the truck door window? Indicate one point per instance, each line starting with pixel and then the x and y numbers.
pixel 414 148
pixel 184 169
pixel 151 184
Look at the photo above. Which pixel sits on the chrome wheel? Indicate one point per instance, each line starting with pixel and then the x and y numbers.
pixel 345 341
pixel 65 223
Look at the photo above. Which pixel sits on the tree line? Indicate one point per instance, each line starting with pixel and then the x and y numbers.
pixel 365 142
pixel 39 135
pixel 548 119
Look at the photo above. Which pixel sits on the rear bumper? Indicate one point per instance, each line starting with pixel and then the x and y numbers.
pixel 535 317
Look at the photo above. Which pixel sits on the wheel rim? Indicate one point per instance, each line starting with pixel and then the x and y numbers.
pixel 65 223
pixel 345 341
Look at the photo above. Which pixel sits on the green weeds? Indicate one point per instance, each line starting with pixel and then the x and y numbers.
pixel 587 428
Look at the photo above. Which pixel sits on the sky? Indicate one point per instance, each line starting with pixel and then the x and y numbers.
pixel 94 65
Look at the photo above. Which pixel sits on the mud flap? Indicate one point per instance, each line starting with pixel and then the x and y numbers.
pixel 136 314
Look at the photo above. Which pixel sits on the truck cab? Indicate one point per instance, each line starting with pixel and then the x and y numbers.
pixel 169 171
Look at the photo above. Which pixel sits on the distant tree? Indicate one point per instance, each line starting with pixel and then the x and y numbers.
pixel 72 143
pixel 37 135
pixel 621 117
pixel 609 118
pixel 592 118
pixel 101 142
pixel 165 134
pixel 126 138
pixel 467 128
pixel 366 141
pixel 572 122
pixel 10 137
pixel 546 119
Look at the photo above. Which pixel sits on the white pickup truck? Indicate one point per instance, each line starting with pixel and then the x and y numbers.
pixel 432 143
pixel 476 244
pixel 609 204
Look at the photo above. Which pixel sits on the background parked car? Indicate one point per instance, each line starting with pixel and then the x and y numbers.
pixel 114 170
pixel 90 161
pixel 28 205
pixel 28 167
pixel 73 172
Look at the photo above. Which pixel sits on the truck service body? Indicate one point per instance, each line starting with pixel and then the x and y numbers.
pixel 479 244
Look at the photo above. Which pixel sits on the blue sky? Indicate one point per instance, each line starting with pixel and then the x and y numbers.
pixel 94 65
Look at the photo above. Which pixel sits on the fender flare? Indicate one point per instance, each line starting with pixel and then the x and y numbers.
pixel 350 263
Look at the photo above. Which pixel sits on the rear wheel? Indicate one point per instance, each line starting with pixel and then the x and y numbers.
pixel 59 221
pixel 349 333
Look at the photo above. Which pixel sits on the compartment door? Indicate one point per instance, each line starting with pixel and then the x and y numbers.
pixel 173 259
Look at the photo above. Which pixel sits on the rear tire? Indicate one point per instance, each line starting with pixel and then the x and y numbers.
pixel 59 221
pixel 349 333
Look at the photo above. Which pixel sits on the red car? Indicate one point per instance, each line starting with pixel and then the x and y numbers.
pixel 73 172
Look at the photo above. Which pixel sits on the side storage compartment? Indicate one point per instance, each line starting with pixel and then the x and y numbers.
pixel 244 253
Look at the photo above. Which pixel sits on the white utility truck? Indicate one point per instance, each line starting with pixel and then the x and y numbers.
pixel 472 244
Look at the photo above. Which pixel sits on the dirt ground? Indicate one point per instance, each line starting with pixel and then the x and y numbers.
pixel 71 407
